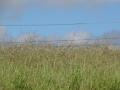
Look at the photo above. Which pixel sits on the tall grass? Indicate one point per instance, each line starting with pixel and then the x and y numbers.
pixel 29 67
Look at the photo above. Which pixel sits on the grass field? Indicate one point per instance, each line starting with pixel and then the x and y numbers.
pixel 28 67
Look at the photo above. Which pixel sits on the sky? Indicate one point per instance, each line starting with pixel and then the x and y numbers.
pixel 101 15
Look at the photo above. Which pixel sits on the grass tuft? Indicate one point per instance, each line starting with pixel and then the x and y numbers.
pixel 29 67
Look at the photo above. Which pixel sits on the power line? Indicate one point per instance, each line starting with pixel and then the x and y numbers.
pixel 51 41
pixel 60 24
pixel 45 25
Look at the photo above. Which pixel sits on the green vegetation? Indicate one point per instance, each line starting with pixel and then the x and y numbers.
pixel 29 67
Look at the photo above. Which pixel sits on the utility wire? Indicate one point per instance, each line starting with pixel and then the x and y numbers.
pixel 45 25
pixel 48 41
pixel 61 24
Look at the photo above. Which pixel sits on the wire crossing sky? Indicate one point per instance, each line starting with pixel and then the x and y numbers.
pixel 60 24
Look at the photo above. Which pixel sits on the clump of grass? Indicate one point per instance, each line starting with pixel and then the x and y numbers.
pixel 20 83
pixel 76 80
pixel 30 67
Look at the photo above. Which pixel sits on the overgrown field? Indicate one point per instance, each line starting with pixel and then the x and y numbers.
pixel 29 67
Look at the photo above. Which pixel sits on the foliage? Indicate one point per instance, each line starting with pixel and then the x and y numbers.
pixel 33 67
